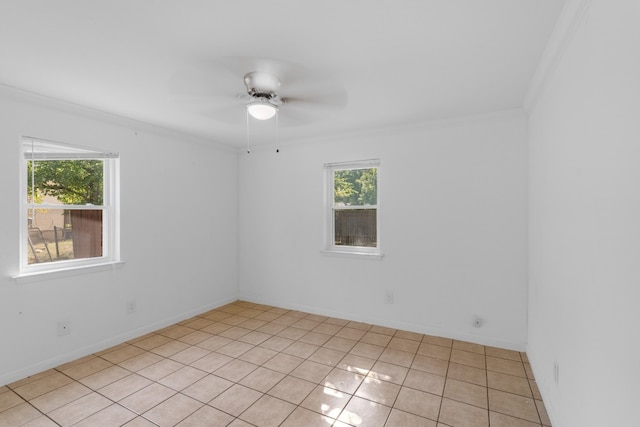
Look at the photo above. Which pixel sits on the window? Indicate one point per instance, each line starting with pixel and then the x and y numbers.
pixel 69 202
pixel 352 207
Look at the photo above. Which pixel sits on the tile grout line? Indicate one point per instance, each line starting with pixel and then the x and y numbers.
pixel 533 397
pixel 30 404
pixel 109 399
pixel 258 345
pixel 486 372
pixel 238 309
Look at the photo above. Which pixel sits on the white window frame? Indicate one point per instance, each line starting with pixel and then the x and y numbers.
pixel 36 148
pixel 329 228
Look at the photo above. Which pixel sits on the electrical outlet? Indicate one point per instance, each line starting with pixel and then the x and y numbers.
pixel 64 327
pixel 132 306
pixel 388 297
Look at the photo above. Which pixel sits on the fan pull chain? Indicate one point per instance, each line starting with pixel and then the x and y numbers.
pixel 277 128
pixel 248 148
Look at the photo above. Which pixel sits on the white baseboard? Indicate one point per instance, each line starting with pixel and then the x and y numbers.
pixel 543 386
pixel 406 326
pixel 18 374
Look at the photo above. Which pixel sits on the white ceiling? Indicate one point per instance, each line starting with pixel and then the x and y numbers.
pixel 399 61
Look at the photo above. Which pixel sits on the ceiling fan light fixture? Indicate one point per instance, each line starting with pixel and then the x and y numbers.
pixel 261 110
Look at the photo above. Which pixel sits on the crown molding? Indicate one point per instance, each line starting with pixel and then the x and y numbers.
pixel 28 97
pixel 568 22
pixel 393 130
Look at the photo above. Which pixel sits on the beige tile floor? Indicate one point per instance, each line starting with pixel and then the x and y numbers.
pixel 253 365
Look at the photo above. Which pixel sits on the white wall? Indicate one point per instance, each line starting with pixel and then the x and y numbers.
pixel 179 238
pixel 453 230
pixel 585 222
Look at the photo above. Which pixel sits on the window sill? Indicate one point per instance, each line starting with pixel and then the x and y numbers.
pixel 66 272
pixel 350 254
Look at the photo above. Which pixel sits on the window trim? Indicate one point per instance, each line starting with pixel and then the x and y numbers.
pixel 53 150
pixel 329 219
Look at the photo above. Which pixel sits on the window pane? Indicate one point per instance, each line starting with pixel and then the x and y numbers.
pixel 63 234
pixel 70 182
pixel 355 187
pixel 356 227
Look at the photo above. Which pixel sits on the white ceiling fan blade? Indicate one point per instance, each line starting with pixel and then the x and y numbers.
pixel 285 71
pixel 218 87
pixel 321 92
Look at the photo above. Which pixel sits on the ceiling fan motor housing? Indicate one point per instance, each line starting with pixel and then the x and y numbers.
pixel 261 85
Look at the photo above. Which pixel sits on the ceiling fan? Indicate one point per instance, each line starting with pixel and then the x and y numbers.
pixel 298 95
pixel 262 89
